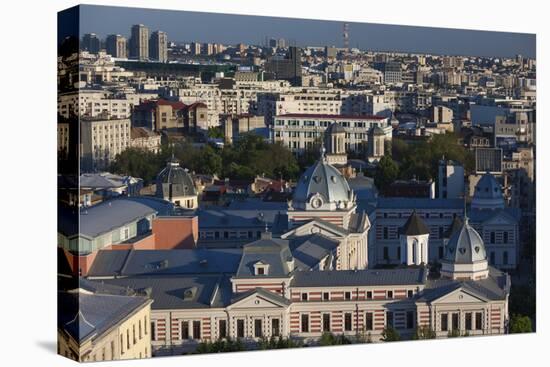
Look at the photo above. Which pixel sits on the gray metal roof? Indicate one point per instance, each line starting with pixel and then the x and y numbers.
pixel 112 214
pixel 274 252
pixel 177 178
pixel 494 287
pixel 419 203
pixel 84 315
pixel 180 291
pixel 372 277
pixel 184 261
pixel 308 251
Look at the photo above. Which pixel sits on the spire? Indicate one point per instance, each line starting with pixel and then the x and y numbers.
pixel 323 152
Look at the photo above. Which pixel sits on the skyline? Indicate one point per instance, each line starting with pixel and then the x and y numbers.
pixel 186 26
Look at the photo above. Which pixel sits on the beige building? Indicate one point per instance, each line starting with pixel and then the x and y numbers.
pixel 235 125
pixel 145 139
pixel 101 140
pixel 116 46
pixel 139 42
pixel 94 326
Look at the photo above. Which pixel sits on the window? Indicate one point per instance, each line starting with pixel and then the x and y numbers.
pixel 505 237
pixel 369 294
pixel 153 331
pixel 222 328
pixel 444 322
pixel 492 240
pixel 258 328
pixel 305 323
pixel 112 349
pixel 326 322
pixel 304 297
pixel 326 296
pixel 347 321
pixel 454 321
pixel 140 333
pixel 386 253
pixel 410 293
pixel 410 319
pixel 369 321
pixel 275 327
pixel 505 258
pixel 389 319
pixel 468 321
pixel 196 329
pixel 121 343
pixel 479 321
pixel 185 330
pixel 385 233
pixel 347 296
pixel 134 333
pixel 127 338
pixel 260 271
pixel 389 294
pixel 240 328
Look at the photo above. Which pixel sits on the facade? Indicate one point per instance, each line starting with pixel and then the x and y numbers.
pixel 139 42
pixel 91 43
pixel 300 131
pixel 375 144
pixel 450 180
pixel 288 67
pixel 158 46
pixel 116 46
pixel 101 140
pixel 236 125
pixel 263 293
pixel 145 139
pixel 169 116
pixel 103 327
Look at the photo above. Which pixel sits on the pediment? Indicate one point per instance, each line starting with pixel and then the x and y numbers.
pixel 315 227
pixel 460 295
pixel 259 300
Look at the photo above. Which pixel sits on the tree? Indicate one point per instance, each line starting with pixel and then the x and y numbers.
pixel 220 346
pixel 389 334
pixel 278 343
pixel 520 324
pixel 455 333
pixel 386 172
pixel 215 132
pixel 330 339
pixel 423 332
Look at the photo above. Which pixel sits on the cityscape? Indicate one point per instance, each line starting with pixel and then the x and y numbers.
pixel 220 197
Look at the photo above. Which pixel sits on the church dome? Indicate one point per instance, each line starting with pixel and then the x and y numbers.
pixel 174 181
pixel 465 255
pixel 465 246
pixel 488 194
pixel 322 187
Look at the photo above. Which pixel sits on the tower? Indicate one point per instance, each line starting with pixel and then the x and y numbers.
pixel 413 239
pixel 335 141
pixel 158 46
pixel 375 149
pixel 139 42
pixel 345 35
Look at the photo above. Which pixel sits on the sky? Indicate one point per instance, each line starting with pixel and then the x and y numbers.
pixel 184 26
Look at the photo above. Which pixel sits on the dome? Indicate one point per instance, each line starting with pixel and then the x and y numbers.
pixel 322 187
pixel 335 128
pixel 414 226
pixel 377 131
pixel 465 246
pixel 488 194
pixel 174 181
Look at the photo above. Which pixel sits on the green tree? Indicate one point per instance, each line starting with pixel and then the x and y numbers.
pixel 330 339
pixel 386 172
pixel 520 324
pixel 215 132
pixel 423 332
pixel 390 334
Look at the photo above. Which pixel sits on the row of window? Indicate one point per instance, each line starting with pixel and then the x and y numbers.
pixel 310 123
pixel 348 295
pixel 327 325
pixel 126 342
pixel 230 235
pixel 472 321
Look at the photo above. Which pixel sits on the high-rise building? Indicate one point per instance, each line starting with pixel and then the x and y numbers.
pixel 91 43
pixel 208 48
pixel 116 46
pixel 195 48
pixel 139 42
pixel 158 46
pixel 288 67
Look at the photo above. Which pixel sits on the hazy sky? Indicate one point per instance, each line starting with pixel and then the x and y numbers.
pixel 230 29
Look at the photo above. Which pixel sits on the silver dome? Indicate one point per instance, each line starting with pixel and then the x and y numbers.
pixel 488 193
pixel 465 246
pixel 174 181
pixel 325 182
